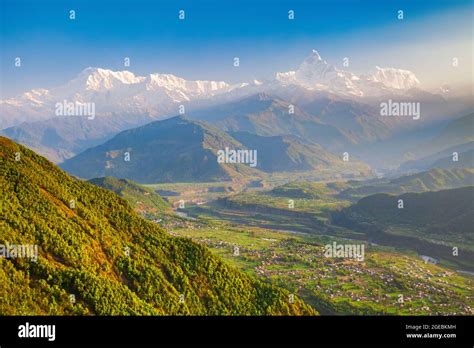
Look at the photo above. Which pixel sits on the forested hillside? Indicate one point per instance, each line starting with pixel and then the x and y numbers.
pixel 445 215
pixel 94 246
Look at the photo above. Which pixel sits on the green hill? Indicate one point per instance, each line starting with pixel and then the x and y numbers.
pixel 286 153
pixel 446 215
pixel 92 245
pixel 309 190
pixel 173 150
pixel 432 180
pixel 138 196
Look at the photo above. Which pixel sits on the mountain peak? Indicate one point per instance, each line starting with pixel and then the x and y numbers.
pixel 314 59
pixel 315 73
pixel 395 78
pixel 104 79
pixel 315 55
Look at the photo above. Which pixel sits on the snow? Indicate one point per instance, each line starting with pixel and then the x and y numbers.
pixel 316 74
pixel 396 78
pixel 158 94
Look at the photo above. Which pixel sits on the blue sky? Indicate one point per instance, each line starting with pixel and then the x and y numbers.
pixel 54 48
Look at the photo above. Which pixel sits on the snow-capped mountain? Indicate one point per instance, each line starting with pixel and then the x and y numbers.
pixel 158 95
pixel 29 106
pixel 112 92
pixel 96 80
pixel 396 78
pixel 316 74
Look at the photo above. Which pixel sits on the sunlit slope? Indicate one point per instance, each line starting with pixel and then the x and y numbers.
pixel 93 246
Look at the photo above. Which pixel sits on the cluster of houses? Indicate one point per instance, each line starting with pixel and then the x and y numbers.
pixel 399 287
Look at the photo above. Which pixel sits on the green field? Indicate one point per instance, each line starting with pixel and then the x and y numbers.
pixel 340 286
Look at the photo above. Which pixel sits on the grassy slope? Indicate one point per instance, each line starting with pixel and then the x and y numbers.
pixel 138 196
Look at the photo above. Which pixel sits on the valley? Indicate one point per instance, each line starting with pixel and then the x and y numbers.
pixel 295 261
pixel 278 234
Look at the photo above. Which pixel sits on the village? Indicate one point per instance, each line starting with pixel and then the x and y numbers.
pixel 385 283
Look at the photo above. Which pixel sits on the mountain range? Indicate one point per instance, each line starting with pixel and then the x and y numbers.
pixel 158 94
pixel 179 149
pixel 317 103
pixel 267 115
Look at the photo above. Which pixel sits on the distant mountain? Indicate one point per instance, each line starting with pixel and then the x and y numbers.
pixel 287 153
pixel 444 215
pixel 395 78
pixel 112 92
pixel 182 150
pixel 333 107
pixel 315 73
pixel 121 101
pixel 173 150
pixel 465 160
pixel 138 197
pixel 457 132
pixel 91 244
pixel 432 180
pixel 61 138
pixel 266 115
pixel 357 121
pixel 432 223
pixel 338 124
pixel 443 159
pixel 160 94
